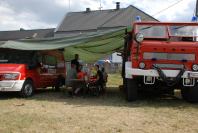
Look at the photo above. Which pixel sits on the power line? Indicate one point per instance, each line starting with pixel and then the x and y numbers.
pixel 167 7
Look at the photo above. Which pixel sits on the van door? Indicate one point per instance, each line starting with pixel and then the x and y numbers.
pixel 49 70
pixel 42 71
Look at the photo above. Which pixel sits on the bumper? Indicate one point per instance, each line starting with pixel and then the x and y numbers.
pixel 11 85
pixel 129 71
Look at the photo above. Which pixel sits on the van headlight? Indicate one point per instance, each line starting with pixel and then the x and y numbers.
pixel 11 76
pixel 139 37
pixel 195 67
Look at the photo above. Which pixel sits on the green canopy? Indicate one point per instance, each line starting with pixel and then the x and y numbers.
pixel 90 47
pixel 2 42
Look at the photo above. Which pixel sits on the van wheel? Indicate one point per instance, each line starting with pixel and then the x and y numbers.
pixel 190 94
pixel 131 90
pixel 27 89
pixel 60 82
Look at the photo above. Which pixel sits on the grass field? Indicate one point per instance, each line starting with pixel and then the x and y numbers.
pixel 55 112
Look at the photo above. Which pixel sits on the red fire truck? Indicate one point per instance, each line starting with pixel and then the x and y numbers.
pixel 26 71
pixel 161 57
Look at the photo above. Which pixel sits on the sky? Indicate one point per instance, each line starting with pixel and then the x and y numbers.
pixel 40 14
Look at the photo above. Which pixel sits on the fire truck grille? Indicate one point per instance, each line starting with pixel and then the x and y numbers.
pixel 168 56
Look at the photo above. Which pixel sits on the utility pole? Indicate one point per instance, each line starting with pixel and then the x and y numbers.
pixel 100 8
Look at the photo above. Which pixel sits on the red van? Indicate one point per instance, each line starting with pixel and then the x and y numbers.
pixel 26 71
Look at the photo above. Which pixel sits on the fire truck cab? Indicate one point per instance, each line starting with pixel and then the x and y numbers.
pixel 26 71
pixel 161 57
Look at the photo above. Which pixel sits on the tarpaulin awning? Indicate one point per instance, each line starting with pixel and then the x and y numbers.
pixel 2 42
pixel 90 47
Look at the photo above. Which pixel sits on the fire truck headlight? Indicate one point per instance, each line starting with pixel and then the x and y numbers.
pixel 139 37
pixel 195 67
pixel 187 81
pixel 142 65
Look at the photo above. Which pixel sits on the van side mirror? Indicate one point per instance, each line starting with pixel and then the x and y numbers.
pixel 30 67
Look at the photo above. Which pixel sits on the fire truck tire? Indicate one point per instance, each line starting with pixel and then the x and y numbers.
pixel 27 89
pixel 190 94
pixel 131 90
pixel 124 85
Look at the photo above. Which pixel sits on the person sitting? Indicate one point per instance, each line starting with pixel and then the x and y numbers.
pixel 99 78
pixel 93 72
pixel 80 73
pixel 81 80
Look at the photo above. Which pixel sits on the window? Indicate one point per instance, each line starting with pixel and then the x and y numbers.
pixel 152 31
pixel 191 31
pixel 17 57
pixel 50 60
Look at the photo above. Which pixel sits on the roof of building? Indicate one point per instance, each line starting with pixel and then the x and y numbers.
pixel 93 20
pixel 22 34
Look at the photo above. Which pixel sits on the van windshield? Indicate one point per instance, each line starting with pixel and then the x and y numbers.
pixel 17 57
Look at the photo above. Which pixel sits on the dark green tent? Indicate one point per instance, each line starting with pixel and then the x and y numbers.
pixel 90 47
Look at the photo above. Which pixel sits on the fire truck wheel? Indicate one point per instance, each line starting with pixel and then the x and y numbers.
pixel 131 90
pixel 27 89
pixel 190 94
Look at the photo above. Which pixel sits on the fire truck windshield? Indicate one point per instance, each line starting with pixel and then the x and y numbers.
pixel 153 31
pixel 186 31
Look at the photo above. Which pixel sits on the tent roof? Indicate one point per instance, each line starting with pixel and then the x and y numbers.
pixel 90 47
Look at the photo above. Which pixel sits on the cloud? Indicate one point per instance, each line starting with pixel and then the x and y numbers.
pixel 30 14
pixel 48 13
pixel 181 11
pixel 12 19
